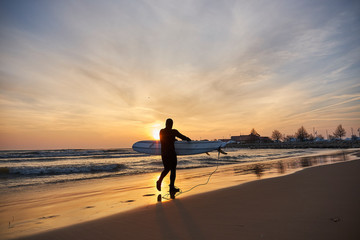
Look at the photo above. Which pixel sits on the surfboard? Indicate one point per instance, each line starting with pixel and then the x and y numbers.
pixel 153 147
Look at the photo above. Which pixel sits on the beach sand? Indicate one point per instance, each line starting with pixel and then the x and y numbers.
pixel 316 203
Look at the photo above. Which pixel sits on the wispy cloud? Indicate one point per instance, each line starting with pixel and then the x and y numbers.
pixel 216 67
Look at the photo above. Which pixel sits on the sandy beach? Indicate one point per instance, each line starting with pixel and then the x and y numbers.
pixel 316 203
pixel 251 108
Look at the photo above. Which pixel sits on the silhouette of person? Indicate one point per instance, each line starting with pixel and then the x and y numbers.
pixel 168 154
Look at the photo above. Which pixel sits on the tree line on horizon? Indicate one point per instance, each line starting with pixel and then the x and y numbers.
pixel 302 135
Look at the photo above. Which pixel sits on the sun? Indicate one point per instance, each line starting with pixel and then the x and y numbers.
pixel 156 133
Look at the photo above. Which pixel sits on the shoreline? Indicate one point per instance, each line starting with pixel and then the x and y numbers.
pixel 299 145
pixel 65 205
pixel 315 203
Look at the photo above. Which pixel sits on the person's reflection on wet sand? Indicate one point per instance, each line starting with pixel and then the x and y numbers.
pixel 172 196
pixel 306 162
pixel 258 169
pixel 281 167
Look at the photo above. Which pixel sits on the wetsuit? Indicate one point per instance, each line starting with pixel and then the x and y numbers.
pixel 168 154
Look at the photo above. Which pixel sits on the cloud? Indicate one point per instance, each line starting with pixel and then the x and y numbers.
pixel 219 66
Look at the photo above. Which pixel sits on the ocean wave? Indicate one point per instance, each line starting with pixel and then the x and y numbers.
pixel 25 168
pixel 65 169
pixel 65 153
pixel 61 158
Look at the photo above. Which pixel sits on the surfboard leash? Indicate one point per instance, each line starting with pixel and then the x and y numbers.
pixel 200 184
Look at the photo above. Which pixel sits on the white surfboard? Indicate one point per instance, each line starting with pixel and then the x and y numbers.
pixel 181 147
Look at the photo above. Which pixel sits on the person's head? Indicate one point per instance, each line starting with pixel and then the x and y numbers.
pixel 169 123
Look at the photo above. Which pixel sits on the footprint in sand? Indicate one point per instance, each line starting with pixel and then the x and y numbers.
pixel 48 217
pixel 148 195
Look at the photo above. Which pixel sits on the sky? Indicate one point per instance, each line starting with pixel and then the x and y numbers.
pixel 105 74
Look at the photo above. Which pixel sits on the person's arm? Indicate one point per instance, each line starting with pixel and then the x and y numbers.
pixel 182 137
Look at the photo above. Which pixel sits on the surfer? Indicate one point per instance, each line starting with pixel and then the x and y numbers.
pixel 168 154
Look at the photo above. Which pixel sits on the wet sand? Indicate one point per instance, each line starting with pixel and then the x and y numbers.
pixel 316 203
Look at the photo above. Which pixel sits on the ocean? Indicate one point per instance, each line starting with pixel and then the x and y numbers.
pixel 29 168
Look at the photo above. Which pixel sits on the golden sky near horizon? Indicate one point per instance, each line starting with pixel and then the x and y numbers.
pixel 105 74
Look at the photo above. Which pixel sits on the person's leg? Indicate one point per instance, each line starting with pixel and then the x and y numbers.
pixel 173 175
pixel 163 174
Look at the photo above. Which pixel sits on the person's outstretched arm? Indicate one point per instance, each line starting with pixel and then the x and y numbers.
pixel 182 137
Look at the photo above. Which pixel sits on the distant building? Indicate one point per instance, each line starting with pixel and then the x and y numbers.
pixel 265 140
pixel 290 139
pixel 251 138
